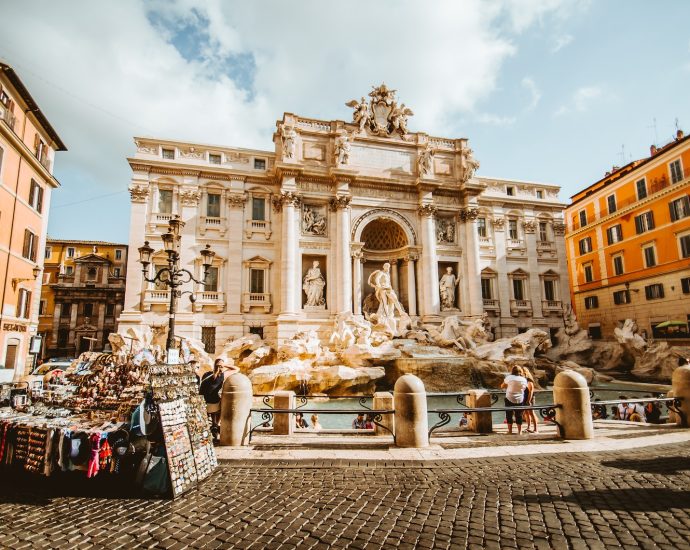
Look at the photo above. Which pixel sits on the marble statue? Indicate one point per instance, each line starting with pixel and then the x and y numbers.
pixel 424 161
pixel 314 284
pixel 380 280
pixel 471 164
pixel 313 223
pixel 445 231
pixel 398 119
pixel 342 149
pixel 361 114
pixel 288 136
pixel 447 286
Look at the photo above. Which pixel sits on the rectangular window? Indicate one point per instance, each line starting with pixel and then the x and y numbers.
pixel 117 272
pixel 208 338
pixel 42 305
pixel 540 194
pixel 611 203
pixel 585 245
pixel 621 297
pixel 679 208
pixel 486 289
pixel 30 245
pixel 589 273
pixel 614 234
pixel 69 270
pixel 212 280
pixel 70 252
pixel 549 289
pixel 518 293
pixel 165 201
pixel 543 232
pixel 685 246
pixel 214 159
pixel 641 189
pixel 676 172
pixel 685 285
pixel 168 154
pixel 513 229
pixel 649 256
pixel 213 205
pixel 258 209
pixel 40 148
pixel 88 310
pixel 49 252
pixel 583 218
pixel 510 191
pixel 618 265
pixel 109 310
pixel 256 281
pixel 594 332
pixel 259 164
pixel 66 310
pixel 654 292
pixel 481 227
pixel 259 331
pixel 23 303
pixel 63 336
pixel 36 196
pixel 118 254
pixel 591 302
pixel 644 222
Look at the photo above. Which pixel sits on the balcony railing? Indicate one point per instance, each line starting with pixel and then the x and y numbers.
pixel 256 299
pixel 521 306
pixel 491 304
pixel 215 222
pixel 551 305
pixel 163 218
pixel 209 298
pixel 258 226
pixel 7 116
pixel 154 296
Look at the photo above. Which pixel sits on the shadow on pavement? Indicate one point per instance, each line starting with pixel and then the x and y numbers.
pixel 667 465
pixel 628 500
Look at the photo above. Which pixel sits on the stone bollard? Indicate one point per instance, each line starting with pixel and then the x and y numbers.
pixel 680 382
pixel 673 418
pixel 481 423
pixel 383 400
pixel 570 390
pixel 283 424
pixel 411 420
pixel 236 402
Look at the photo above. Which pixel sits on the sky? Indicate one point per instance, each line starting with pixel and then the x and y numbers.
pixel 555 91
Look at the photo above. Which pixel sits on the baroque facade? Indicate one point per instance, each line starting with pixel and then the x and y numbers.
pixel 27 150
pixel 82 295
pixel 299 230
pixel 629 245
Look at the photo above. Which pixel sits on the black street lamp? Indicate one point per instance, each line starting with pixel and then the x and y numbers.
pixel 173 276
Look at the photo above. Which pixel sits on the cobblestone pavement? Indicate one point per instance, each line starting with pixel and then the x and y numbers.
pixel 630 499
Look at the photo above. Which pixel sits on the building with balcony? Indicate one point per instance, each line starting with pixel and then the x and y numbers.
pixel 82 295
pixel 628 244
pixel 27 147
pixel 350 196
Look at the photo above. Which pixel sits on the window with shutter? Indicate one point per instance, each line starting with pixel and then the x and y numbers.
pixel 591 302
pixel 654 292
pixel 641 189
pixel 685 246
pixel 583 218
pixel 676 172
pixel 611 203
pixel 26 249
pixel 618 265
pixel 649 256
pixel 685 285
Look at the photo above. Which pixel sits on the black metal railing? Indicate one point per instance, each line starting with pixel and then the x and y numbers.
pixel 267 415
pixel 547 412
pixel 599 408
pixel 303 400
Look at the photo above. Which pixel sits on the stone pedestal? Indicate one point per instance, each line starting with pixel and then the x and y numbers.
pixel 384 400
pixel 681 389
pixel 411 420
pixel 480 423
pixel 571 392
pixel 236 403
pixel 283 423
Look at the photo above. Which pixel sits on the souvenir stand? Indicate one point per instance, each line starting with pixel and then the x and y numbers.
pixel 186 432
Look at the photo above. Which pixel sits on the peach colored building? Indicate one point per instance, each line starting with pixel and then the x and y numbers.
pixel 628 245
pixel 27 147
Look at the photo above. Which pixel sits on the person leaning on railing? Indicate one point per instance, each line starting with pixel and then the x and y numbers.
pixel 515 385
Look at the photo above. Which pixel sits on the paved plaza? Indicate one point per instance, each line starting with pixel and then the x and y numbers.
pixel 620 499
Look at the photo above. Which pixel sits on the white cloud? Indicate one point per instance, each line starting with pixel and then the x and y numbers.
pixel 561 42
pixel 535 93
pixel 581 100
pixel 495 120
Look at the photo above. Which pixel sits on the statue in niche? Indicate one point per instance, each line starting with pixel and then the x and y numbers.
pixel 313 286
pixel 445 231
pixel 288 135
pixel 313 223
pixel 389 305
pixel 342 149
pixel 447 286
pixel 424 161
pixel 361 114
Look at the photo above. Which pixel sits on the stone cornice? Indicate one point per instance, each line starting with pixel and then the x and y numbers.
pixel 27 154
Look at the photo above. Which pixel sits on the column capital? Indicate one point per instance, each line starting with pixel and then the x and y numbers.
pixel 237 200
pixel 339 203
pixel 558 228
pixel 286 198
pixel 427 210
pixel 139 193
pixel 469 214
pixel 190 196
pixel 529 226
pixel 499 224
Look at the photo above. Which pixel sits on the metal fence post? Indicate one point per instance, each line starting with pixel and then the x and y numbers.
pixel 383 400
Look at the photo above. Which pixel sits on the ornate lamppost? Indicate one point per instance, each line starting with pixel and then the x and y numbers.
pixel 173 276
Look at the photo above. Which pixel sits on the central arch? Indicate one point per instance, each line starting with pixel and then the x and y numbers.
pixel 383 214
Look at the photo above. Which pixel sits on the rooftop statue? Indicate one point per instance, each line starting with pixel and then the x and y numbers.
pixel 381 116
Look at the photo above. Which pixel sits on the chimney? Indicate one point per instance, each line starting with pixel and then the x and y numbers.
pixel 679 134
pixel 652 150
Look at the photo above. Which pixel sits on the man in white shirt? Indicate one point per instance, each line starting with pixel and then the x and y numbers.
pixel 515 385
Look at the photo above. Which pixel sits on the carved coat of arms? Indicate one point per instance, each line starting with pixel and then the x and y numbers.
pixel 381 115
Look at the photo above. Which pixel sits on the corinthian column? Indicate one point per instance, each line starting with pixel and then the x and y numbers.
pixel 411 286
pixel 468 215
pixel 430 305
pixel 341 205
pixel 357 282
pixel 290 293
pixel 394 277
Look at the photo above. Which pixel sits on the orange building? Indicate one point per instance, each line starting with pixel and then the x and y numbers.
pixel 27 146
pixel 628 246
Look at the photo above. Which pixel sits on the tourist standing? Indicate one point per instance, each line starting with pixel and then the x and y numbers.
pixel 515 384
pixel 529 416
pixel 315 424
pixel 210 387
